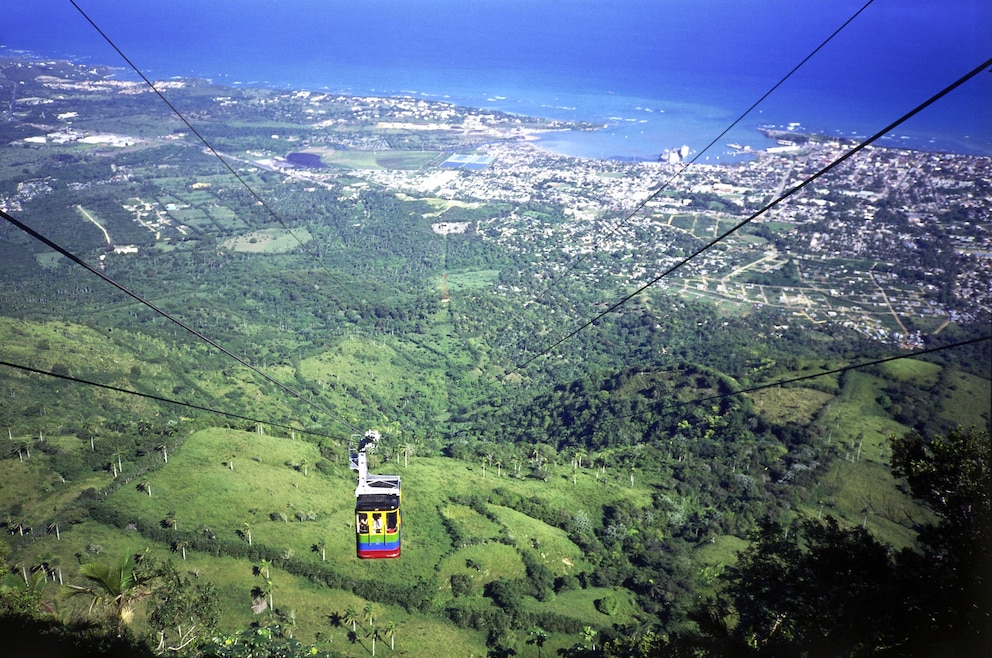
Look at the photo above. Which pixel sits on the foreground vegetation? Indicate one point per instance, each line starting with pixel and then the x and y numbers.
pixel 499 559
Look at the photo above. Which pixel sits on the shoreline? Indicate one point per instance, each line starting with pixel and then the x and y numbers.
pixel 619 151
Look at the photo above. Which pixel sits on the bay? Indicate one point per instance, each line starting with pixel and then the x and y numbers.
pixel 655 74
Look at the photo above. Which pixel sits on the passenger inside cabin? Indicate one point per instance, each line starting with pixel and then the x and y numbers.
pixel 363 524
pixel 377 523
pixel 391 522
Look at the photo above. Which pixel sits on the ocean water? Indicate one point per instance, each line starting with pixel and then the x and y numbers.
pixel 655 74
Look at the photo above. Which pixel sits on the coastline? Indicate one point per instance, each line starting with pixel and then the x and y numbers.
pixel 639 134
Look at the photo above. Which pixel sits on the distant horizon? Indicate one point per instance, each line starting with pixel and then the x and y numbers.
pixel 654 88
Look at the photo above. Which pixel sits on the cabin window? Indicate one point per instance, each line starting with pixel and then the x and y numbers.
pixel 363 524
pixel 391 522
pixel 377 523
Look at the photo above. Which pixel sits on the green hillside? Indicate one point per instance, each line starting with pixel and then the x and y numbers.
pixel 699 469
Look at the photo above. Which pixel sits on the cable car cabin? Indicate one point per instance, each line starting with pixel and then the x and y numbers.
pixel 377 507
pixel 377 523
pixel 377 517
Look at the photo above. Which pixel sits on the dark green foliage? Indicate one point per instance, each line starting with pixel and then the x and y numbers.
pixel 814 588
pixel 183 611
pixel 46 636
pixel 566 583
pixel 261 642
pixel 508 595
pixel 948 581
pixel 541 579
pixel 608 605
pixel 29 628
pixel 489 619
pixel 461 584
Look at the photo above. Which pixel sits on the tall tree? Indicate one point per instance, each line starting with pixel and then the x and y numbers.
pixel 538 636
pixel 183 611
pixel 390 633
pixel 818 589
pixel 373 633
pixel 949 580
pixel 351 617
pixel 813 588
pixel 180 546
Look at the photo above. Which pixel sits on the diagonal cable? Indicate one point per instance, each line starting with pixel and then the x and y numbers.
pixel 793 380
pixel 856 149
pixel 166 315
pixel 671 179
pixel 216 153
pixel 158 398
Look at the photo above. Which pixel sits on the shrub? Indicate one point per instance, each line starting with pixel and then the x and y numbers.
pixel 608 605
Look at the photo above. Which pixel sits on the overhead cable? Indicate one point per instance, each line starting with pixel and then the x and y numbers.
pixel 41 238
pixel 751 389
pixel 785 195
pixel 671 179
pixel 158 398
pixel 215 152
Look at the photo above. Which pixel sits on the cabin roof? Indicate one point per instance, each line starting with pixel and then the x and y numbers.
pixel 377 502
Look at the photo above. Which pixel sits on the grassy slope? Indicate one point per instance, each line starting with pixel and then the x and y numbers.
pixel 201 489
pixel 129 360
pixel 198 488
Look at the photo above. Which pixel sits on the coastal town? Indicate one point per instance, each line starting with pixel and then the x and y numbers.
pixel 894 243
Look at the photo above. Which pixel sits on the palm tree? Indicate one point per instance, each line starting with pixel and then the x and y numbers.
pixel 320 547
pixel 165 452
pixel 88 433
pixel 589 636
pixel 391 634
pixel 170 521
pixel 538 636
pixel 408 449
pixel 246 531
pixel 368 612
pixel 54 527
pixel 372 633
pixel 180 546
pixel 45 564
pixel 258 602
pixel 20 526
pixel 145 486
pixel 291 622
pixel 351 617
pixel 116 586
pixel 30 583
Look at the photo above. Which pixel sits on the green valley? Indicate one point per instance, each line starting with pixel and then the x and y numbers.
pixel 580 477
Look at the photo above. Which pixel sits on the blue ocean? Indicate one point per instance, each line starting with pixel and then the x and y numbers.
pixel 655 74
